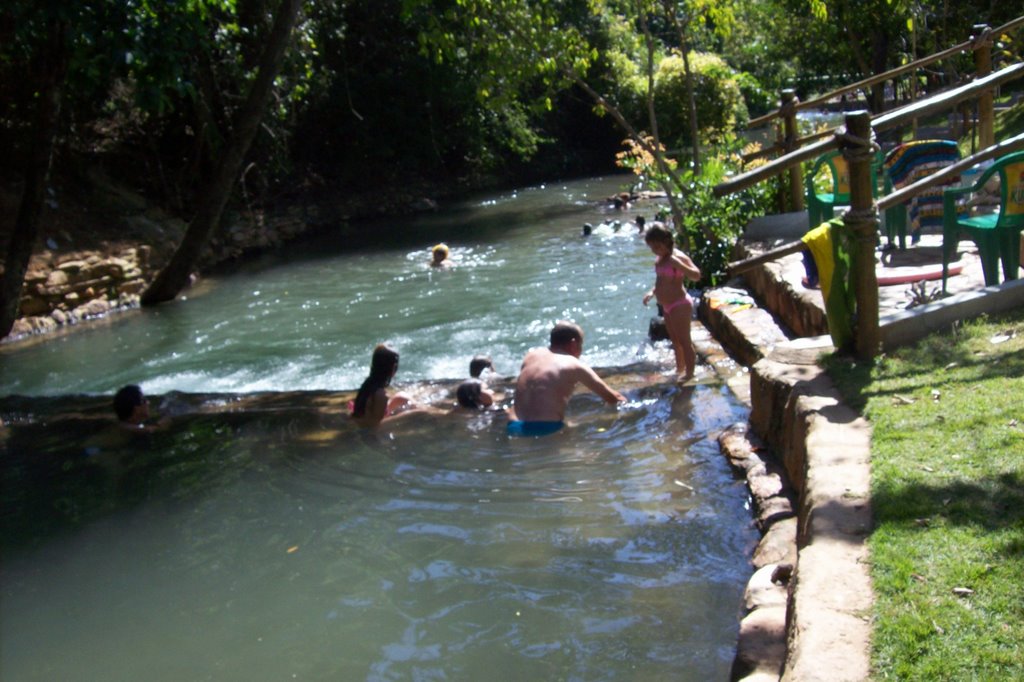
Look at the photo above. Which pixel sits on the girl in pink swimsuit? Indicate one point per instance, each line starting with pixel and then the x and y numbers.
pixel 671 269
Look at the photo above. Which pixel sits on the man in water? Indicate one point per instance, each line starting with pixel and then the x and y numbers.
pixel 547 380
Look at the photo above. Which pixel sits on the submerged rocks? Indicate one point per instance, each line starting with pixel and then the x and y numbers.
pixel 761 649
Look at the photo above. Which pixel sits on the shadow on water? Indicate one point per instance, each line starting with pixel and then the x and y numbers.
pixel 65 462
pixel 433 546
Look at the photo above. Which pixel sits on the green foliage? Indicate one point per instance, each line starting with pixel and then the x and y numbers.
pixel 708 225
pixel 756 97
pixel 712 224
pixel 720 105
pixel 388 91
pixel 157 82
pixel 512 47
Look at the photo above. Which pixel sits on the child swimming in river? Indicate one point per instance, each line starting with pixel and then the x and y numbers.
pixel 372 404
pixel 671 269
pixel 439 256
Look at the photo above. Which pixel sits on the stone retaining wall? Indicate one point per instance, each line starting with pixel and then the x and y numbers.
pixel 825 449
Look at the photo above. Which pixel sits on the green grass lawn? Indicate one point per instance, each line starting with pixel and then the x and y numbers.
pixel 947 468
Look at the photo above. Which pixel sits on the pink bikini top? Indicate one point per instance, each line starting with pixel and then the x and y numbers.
pixel 670 271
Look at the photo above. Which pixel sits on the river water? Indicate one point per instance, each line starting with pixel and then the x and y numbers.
pixel 310 319
pixel 253 533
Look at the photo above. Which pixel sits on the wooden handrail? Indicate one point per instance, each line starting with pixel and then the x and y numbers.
pixel 945 100
pixel 1001 149
pixel 888 120
pixel 892 73
pixel 780 164
pixel 799 143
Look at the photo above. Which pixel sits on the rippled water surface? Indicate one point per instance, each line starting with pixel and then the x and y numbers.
pixel 254 534
pixel 269 540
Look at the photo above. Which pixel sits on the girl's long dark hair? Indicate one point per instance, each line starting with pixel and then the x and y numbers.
pixel 382 368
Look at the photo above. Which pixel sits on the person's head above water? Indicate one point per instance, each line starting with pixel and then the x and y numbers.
pixel 383 364
pixel 478 364
pixel 473 394
pixel 564 335
pixel 131 405
pixel 439 254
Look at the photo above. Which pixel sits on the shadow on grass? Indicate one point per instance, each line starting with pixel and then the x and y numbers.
pixel 993 504
pixel 858 381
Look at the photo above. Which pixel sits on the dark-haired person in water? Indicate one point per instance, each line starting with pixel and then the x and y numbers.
pixel 130 405
pixel 372 404
pixel 474 395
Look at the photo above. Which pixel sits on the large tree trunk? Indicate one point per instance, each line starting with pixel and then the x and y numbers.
pixel 53 67
pixel 175 275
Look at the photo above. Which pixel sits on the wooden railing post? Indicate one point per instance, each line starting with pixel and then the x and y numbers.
pixel 782 194
pixel 983 65
pixel 796 185
pixel 861 220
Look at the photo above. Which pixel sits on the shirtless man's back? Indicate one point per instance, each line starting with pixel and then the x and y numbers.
pixel 549 376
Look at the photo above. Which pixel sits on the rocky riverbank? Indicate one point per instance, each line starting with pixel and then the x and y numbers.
pixel 102 244
pixel 68 286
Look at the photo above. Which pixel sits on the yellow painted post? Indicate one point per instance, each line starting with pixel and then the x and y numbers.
pixel 858 147
pixel 796 185
pixel 983 65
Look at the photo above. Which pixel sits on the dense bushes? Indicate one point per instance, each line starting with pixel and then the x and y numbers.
pixel 720 104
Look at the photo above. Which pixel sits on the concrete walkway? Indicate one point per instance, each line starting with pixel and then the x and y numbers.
pixel 809 602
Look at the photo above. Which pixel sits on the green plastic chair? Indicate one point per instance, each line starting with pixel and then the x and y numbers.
pixel 997 235
pixel 821 205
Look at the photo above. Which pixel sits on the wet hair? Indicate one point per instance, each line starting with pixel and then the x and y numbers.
pixel 468 393
pixel 382 368
pixel 658 233
pixel 478 364
pixel 126 400
pixel 640 220
pixel 563 332
pixel 441 248
pixel 587 229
